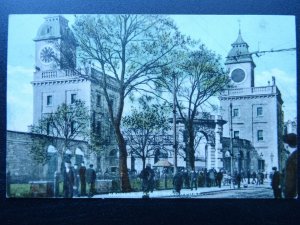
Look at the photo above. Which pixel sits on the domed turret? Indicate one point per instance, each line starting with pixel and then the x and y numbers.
pixel 240 64
pixel 55 44
pixel 239 52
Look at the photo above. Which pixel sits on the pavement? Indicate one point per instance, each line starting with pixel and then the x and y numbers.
pixel 188 193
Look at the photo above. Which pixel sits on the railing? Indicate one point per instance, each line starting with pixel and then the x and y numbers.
pixel 250 91
pixel 53 74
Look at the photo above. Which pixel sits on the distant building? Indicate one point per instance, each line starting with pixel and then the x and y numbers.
pixel 257 113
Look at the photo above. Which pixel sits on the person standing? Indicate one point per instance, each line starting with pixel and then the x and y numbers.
pixel 276 185
pixel 248 176
pixel 76 180
pixel 147 179
pixel 238 179
pixel 254 180
pixel 68 180
pixel 82 172
pixel 194 178
pixel 91 179
pixel 219 178
pixel 290 179
pixel 178 181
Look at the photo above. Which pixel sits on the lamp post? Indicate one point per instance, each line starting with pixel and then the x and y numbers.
pixel 174 124
pixel 231 145
pixel 261 161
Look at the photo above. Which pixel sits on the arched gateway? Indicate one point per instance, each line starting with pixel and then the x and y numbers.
pixel 208 147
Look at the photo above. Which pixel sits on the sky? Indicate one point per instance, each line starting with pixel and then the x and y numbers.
pixel 217 32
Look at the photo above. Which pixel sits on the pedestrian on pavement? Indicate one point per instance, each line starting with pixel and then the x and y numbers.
pixel 254 178
pixel 211 178
pixel 194 178
pixel 238 179
pixel 68 180
pixel 290 181
pixel 248 176
pixel 219 178
pixel 178 181
pixel 82 171
pixel 91 180
pixel 147 178
pixel 276 185
pixel 76 181
pixel 186 178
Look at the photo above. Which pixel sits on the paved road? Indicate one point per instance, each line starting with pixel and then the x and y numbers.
pixel 243 193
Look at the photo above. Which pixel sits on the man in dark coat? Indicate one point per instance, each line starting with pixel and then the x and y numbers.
pixel 91 179
pixel 82 171
pixel 147 176
pixel 76 180
pixel 186 178
pixel 219 178
pixel 238 179
pixel 178 181
pixel 194 178
pixel 290 179
pixel 68 180
pixel 276 185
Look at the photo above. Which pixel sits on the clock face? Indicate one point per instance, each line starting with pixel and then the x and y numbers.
pixel 238 75
pixel 47 54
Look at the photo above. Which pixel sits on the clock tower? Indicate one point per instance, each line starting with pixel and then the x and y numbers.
pixel 55 45
pixel 240 64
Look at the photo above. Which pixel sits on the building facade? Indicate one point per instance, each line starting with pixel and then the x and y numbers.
pixel 255 112
pixel 57 80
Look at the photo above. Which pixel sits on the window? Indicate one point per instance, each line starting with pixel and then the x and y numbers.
pixel 98 100
pixel 259 111
pixel 73 98
pixel 235 112
pixel 49 100
pixel 236 134
pixel 260 135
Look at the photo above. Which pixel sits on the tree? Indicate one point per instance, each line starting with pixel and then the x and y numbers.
pixel 130 48
pixel 67 123
pixel 198 77
pixel 143 127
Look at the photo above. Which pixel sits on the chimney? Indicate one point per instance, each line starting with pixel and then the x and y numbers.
pixel 273 81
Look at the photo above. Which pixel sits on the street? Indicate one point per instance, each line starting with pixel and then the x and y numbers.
pixel 255 192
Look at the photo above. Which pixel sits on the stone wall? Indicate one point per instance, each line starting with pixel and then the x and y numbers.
pixel 20 163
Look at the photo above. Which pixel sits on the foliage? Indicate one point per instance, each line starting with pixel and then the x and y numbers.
pixel 197 78
pixel 131 49
pixel 67 123
pixel 144 126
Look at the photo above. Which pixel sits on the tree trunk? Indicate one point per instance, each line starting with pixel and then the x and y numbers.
pixel 124 178
pixel 190 152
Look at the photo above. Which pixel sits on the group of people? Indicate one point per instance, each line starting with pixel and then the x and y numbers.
pixel 286 182
pixel 77 177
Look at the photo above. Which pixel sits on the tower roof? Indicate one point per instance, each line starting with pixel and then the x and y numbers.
pixel 239 52
pixel 54 27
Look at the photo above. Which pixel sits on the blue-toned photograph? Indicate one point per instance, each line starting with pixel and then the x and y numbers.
pixel 151 106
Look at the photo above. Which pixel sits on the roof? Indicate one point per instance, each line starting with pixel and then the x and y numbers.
pixel 163 163
pixel 54 27
pixel 239 52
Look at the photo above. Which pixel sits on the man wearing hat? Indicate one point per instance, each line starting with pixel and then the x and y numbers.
pixel 290 181
pixel 276 183
pixel 91 179
pixel 68 180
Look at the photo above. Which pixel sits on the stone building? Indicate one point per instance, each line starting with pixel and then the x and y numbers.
pixel 58 80
pixel 245 157
pixel 256 112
